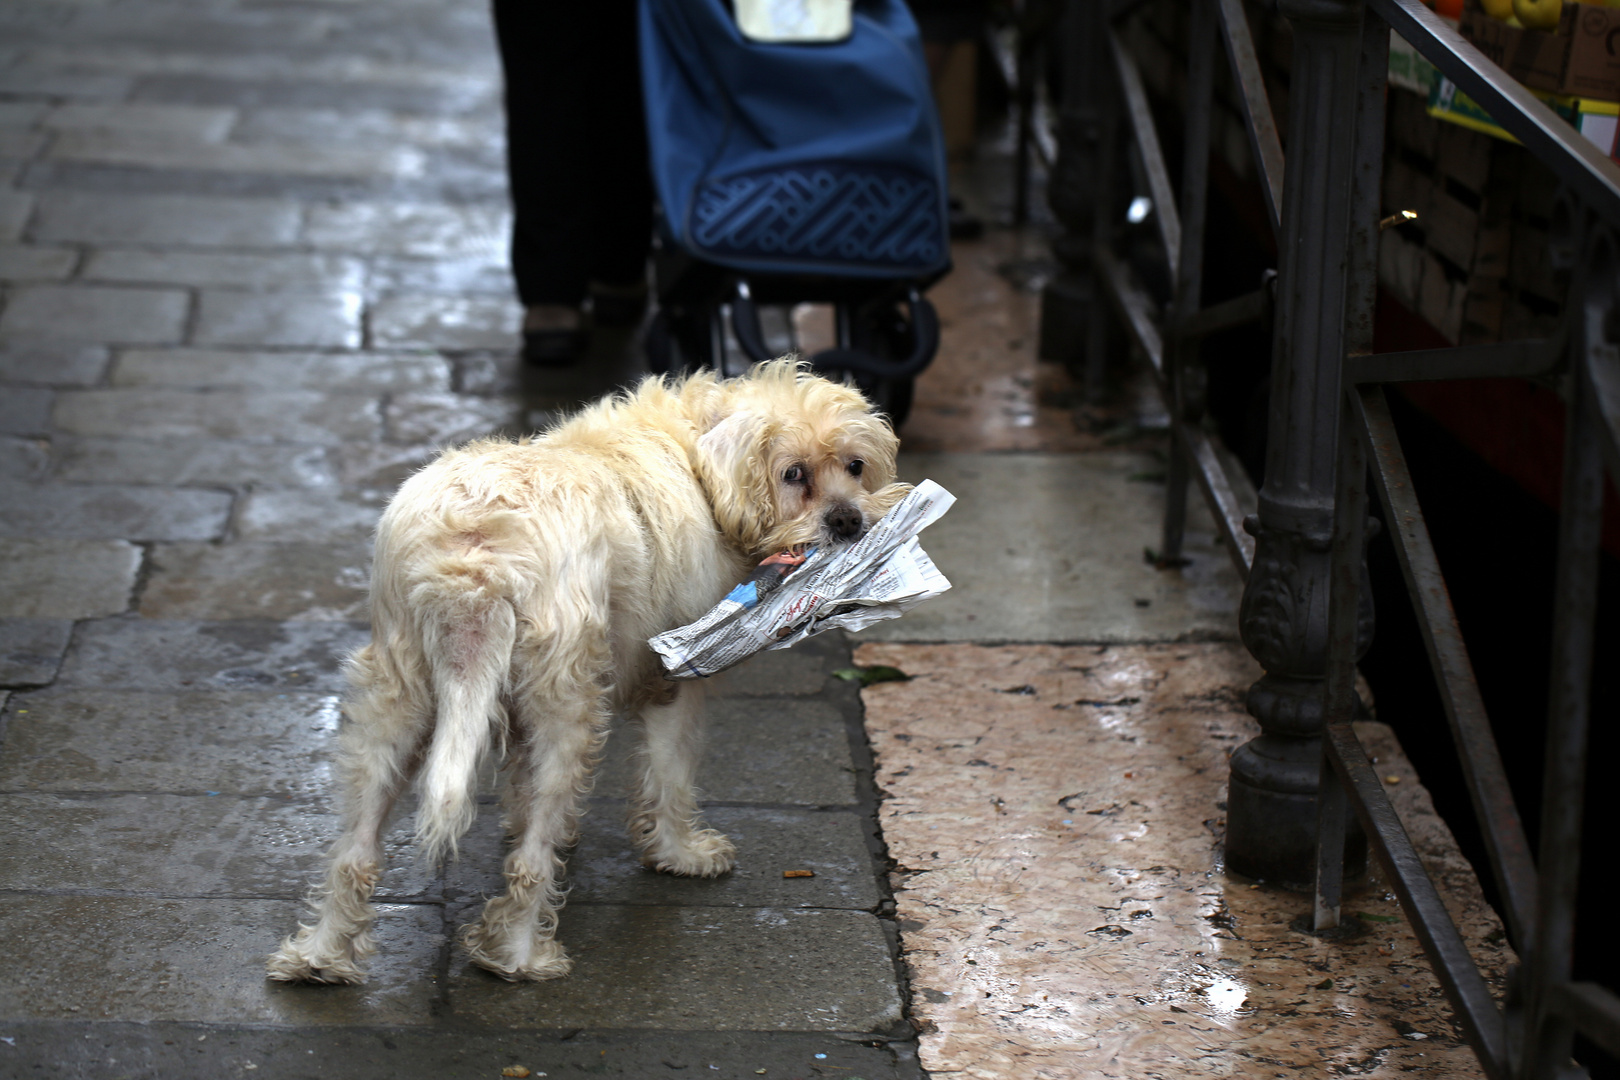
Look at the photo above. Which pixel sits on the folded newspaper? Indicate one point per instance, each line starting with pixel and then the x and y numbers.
pixel 791 596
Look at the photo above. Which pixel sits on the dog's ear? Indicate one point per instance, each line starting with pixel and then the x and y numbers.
pixel 733 461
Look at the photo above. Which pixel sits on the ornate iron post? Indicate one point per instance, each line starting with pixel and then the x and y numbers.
pixel 1271 804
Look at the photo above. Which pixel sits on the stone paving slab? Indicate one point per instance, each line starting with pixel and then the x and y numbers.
pixel 329 516
pixel 15 207
pixel 345 371
pixel 145 152
pixel 783 751
pixel 146 654
pixel 247 580
pixel 356 127
pixel 124 316
pixel 19 263
pixel 192 221
pixel 52 363
pixel 444 322
pixel 186 461
pixel 66 579
pixel 26 410
pixel 444 419
pixel 381 465
pixel 604 870
pixel 320 90
pixel 182 845
pixel 709 968
pixel 1049 547
pixel 294 319
pixel 230 741
pixel 23 459
pixel 226 269
pixel 201 961
pixel 415 277
pixel 31 650
pixel 77 1051
pixel 38 80
pixel 196 122
pixel 1062 912
pixel 804 669
pixel 422 230
pixel 106 511
pixel 262 162
pixel 296 416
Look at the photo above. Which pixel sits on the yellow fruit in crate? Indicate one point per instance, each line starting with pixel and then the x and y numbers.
pixel 1539 14
pixel 1498 9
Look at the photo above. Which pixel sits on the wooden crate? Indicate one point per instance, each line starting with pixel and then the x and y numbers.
pixel 1475 264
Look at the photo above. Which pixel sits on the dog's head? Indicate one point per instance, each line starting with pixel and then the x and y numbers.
pixel 791 458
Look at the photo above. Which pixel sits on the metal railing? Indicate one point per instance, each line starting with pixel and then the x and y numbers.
pixel 1300 790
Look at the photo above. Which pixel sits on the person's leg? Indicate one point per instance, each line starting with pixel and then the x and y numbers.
pixel 620 183
pixel 543 57
pixel 548 143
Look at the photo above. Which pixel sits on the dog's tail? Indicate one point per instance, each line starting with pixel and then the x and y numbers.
pixel 468 629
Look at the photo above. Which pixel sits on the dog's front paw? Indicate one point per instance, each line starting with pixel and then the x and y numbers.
pixel 298 961
pixel 699 853
pixel 523 957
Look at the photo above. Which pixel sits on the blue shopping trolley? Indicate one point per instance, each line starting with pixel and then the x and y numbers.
pixel 795 172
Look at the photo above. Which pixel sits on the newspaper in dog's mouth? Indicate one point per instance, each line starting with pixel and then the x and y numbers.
pixel 794 595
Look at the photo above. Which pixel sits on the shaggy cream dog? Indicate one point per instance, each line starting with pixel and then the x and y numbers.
pixel 514 589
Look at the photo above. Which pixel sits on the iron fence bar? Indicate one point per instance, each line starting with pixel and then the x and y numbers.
pixel 1532 359
pixel 1603 369
pixel 1580 531
pixel 1367 184
pixel 1349 627
pixel 1576 160
pixel 1220 496
pixel 1488 787
pixel 1465 988
pixel 1140 115
pixel 1331 813
pixel 1594 1009
pixel 1264 142
pixel 1248 308
pixel 1135 311
pixel 1118 9
pixel 1185 404
pixel 1135 307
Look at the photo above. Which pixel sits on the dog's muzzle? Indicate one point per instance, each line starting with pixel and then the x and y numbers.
pixel 844 522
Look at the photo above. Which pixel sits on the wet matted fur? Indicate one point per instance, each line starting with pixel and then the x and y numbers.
pixel 513 591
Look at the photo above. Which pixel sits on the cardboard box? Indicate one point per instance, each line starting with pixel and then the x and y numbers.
pixel 1576 59
pixel 1408 69
pixel 1594 69
pixel 1452 228
pixel 1537 58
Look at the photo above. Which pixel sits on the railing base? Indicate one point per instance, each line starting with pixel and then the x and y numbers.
pixel 1271 815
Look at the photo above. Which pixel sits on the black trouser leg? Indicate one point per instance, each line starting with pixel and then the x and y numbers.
pixel 576 146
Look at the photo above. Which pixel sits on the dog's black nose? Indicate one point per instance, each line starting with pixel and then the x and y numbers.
pixel 844 521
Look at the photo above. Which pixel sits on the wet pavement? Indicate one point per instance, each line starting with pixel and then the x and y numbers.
pixel 253 268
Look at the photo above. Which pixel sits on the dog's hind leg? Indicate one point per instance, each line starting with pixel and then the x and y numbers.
pixel 516 935
pixel 664 823
pixel 386 719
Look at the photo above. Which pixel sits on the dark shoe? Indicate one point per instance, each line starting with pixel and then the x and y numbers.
pixel 553 335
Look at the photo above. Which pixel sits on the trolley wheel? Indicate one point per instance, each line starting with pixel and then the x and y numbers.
pixel 659 345
pixel 681 340
pixel 893 399
pixel 882 330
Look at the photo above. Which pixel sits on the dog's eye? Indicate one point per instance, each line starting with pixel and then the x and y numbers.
pixel 856 466
pixel 794 475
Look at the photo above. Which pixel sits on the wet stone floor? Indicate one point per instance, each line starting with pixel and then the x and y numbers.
pixel 252 274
